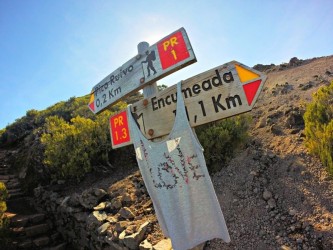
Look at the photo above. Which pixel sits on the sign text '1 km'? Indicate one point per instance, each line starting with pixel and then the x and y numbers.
pixel 221 92
pixel 163 58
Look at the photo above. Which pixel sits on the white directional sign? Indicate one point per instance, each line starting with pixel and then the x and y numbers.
pixel 163 58
pixel 221 92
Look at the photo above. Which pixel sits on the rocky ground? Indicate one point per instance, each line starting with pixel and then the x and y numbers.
pixel 273 194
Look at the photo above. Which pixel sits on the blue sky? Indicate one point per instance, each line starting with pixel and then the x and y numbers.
pixel 53 50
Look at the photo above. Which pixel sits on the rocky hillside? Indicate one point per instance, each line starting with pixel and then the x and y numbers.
pixel 273 194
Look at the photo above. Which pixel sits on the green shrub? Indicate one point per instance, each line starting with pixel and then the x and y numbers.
pixel 4 222
pixel 72 148
pixel 2 131
pixel 318 120
pixel 80 144
pixel 33 119
pixel 221 139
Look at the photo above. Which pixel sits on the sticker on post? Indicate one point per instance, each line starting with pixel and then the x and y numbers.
pixel 173 50
pixel 119 129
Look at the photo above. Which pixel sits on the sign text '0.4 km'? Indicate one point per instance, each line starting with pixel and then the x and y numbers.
pixel 224 91
pixel 161 59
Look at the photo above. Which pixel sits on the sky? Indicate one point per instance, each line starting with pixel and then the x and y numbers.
pixel 53 50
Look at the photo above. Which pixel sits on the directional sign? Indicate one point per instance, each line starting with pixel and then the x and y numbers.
pixel 163 58
pixel 221 92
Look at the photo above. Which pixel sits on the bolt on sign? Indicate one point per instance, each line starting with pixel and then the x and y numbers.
pixel 161 59
pixel 224 91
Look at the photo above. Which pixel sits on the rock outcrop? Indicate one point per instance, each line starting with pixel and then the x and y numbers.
pixel 121 217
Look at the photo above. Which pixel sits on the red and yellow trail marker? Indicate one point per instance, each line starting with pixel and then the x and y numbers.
pixel 172 50
pixel 250 81
pixel 91 104
pixel 119 129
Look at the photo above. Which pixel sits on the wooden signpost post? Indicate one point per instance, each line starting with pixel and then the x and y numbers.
pixel 224 91
pixel 161 59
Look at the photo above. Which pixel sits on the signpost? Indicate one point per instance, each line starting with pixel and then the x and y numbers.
pixel 224 91
pixel 161 59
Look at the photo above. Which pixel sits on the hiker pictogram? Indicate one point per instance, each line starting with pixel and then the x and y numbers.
pixel 149 60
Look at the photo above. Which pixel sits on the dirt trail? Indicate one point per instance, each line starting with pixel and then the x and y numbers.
pixel 29 229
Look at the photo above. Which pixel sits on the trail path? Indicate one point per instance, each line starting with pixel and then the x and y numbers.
pixel 29 228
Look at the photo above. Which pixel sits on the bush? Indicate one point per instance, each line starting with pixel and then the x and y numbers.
pixel 221 139
pixel 318 120
pixel 61 147
pixel 2 131
pixel 4 222
pixel 18 130
pixel 73 148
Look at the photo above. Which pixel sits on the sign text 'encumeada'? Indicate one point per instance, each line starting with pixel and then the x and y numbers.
pixel 224 91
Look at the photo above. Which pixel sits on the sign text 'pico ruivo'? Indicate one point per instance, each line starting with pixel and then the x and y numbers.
pixel 161 59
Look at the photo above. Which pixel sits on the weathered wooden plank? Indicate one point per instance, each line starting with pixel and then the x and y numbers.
pixel 161 59
pixel 224 91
